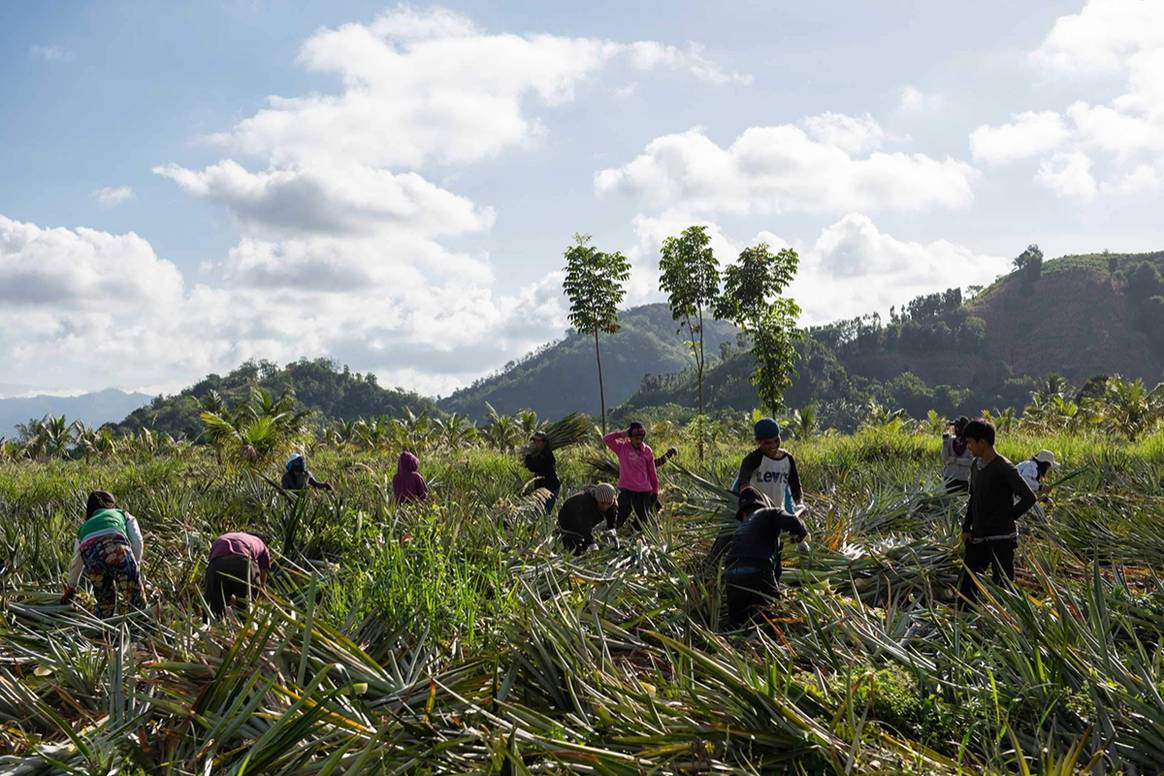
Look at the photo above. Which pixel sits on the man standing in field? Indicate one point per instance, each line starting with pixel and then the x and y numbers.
pixel 999 496
pixel 539 459
pixel 770 469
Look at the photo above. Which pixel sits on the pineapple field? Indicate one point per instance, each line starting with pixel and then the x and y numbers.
pixel 456 636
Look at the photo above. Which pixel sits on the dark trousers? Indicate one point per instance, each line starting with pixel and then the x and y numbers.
pixel 957 486
pixel 642 504
pixel 576 541
pixel 997 555
pixel 227 577
pixel 551 501
pixel 748 593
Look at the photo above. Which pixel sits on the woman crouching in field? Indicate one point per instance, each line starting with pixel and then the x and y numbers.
pixel 237 571
pixel 108 549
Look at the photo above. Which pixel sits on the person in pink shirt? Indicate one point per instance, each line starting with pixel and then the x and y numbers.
pixel 237 571
pixel 638 481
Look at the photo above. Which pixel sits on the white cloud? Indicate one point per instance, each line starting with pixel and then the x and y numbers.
pixel 334 200
pixel 914 100
pixel 82 269
pixel 854 268
pixel 50 53
pixel 648 55
pixel 1102 38
pixel 83 302
pixel 1029 134
pixel 1107 38
pixel 420 87
pixel 783 169
pixel 112 196
pixel 1068 175
pixel 854 134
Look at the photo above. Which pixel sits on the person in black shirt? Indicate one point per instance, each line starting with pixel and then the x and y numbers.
pixel 539 459
pixel 999 496
pixel 752 562
pixel 582 512
pixel 297 477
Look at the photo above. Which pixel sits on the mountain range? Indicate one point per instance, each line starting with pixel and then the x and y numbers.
pixel 93 409
pixel 1077 316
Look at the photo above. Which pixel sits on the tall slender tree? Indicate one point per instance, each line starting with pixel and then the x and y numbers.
pixel 595 284
pixel 751 300
pixel 689 276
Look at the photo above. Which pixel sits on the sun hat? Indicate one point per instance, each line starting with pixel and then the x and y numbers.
pixel 1045 456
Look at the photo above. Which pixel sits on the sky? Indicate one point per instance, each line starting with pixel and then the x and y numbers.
pixel 184 186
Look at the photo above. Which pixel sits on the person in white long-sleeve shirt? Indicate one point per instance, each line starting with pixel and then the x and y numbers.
pixel 1035 468
pixel 108 549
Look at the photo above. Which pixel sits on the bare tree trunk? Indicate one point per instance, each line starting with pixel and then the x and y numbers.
pixel 699 367
pixel 601 392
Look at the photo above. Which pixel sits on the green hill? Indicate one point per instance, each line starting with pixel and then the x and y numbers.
pixel 560 377
pixel 319 385
pixel 1082 316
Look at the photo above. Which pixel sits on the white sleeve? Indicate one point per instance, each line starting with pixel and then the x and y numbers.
pixel 77 566
pixel 134 535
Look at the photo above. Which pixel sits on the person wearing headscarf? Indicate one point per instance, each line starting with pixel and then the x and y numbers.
pixel 297 477
pixel 108 549
pixel 582 512
pixel 408 485
pixel 956 458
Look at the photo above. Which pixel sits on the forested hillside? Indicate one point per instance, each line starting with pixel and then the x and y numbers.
pixel 320 386
pixel 560 377
pixel 1077 316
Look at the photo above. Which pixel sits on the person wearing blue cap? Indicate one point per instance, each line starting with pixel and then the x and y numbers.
pixel 296 476
pixel 771 469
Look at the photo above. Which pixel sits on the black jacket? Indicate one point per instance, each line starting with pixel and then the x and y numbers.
pixel 991 510
pixel 299 480
pixel 757 540
pixel 543 465
pixel 580 513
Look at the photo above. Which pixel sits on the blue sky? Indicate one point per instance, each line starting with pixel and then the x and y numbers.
pixel 403 201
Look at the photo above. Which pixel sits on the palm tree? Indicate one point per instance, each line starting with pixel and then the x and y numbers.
pixel 257 429
pixel 455 431
pixel 1130 408
pixel 412 431
pixel 502 432
pixel 803 422
pixel 1050 386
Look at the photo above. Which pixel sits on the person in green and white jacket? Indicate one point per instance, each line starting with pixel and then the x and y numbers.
pixel 108 549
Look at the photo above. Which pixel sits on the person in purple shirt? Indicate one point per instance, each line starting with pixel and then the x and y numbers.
pixel 237 571
pixel 638 480
pixel 408 484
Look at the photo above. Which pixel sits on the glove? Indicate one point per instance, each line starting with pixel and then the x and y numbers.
pixel 68 595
